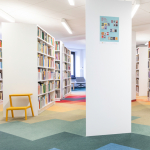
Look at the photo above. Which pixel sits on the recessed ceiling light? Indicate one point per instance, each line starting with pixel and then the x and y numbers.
pixel 71 2
pixel 65 24
pixel 135 7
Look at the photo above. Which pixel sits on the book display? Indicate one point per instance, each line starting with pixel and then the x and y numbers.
pixel 141 71
pixel 62 71
pixel 46 69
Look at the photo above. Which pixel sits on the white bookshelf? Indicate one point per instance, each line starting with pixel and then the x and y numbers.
pixel 66 72
pixel 148 84
pixel 64 81
pixel 22 64
pixel 141 71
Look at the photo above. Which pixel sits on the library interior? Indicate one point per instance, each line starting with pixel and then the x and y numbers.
pixel 74 74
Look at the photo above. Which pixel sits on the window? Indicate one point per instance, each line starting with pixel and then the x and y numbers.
pixel 73 65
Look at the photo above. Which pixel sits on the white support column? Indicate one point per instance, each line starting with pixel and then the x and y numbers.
pixel 108 70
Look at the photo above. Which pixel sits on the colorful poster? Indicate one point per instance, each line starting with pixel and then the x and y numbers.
pixel 109 29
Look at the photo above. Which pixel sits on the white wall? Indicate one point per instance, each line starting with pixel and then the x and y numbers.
pixel 20 65
pixel 143 71
pixel 133 72
pixel 108 70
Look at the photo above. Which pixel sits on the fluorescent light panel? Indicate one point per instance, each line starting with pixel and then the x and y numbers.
pixel 146 43
pixel 135 8
pixel 6 16
pixel 71 2
pixel 65 24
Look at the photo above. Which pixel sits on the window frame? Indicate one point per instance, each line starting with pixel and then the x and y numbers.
pixel 73 76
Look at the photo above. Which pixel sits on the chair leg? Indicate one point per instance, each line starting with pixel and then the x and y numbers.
pixel 12 113
pixel 31 106
pixel 6 115
pixel 25 114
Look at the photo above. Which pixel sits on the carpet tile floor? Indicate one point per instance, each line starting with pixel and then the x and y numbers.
pixel 63 127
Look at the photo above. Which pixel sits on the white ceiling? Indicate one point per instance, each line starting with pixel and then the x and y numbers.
pixel 48 14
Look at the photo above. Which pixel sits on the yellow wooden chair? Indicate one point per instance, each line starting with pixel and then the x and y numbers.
pixel 19 108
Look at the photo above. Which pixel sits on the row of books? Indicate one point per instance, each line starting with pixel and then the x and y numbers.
pixel 65 57
pixel 148 64
pixel 64 74
pixel 57 75
pixel 137 73
pixel 43 74
pixel 1 95
pixel 0 43
pixel 0 53
pixel 137 66
pixel 148 84
pixel 43 48
pixel 64 82
pixel 45 87
pixel 148 74
pixel 65 66
pixel 69 74
pixel 148 54
pixel 45 61
pixel 137 81
pixel 57 56
pixel 57 66
pixel 69 81
pixel 57 84
pixel 57 45
pixel 1 86
pixel 43 35
pixel 44 100
pixel 57 94
pixel 0 75
pixel 137 89
pixel 69 59
pixel 69 67
pixel 67 51
pixel 137 58
pixel 1 65
pixel 137 51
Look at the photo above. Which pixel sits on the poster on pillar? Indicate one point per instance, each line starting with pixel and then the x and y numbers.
pixel 109 29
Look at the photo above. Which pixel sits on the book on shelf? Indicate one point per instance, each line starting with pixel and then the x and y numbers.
pixel 41 74
pixel 57 75
pixel 50 86
pixel 64 74
pixel 57 94
pixel 42 88
pixel 148 54
pixel 50 62
pixel 50 75
pixel 57 45
pixel 1 65
pixel 148 64
pixel 65 57
pixel 0 43
pixel 44 36
pixel 137 58
pixel 57 56
pixel 69 82
pixel 42 60
pixel 137 81
pixel 1 86
pixel 69 74
pixel 69 59
pixel 44 100
pixel 57 66
pixel 137 51
pixel 0 53
pixel 65 66
pixel 1 95
pixel 0 75
pixel 148 74
pixel 69 66
pixel 64 82
pixel 57 84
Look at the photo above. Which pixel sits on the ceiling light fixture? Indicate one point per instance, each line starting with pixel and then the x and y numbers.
pixel 135 7
pixel 65 24
pixel 71 2
pixel 6 16
pixel 146 43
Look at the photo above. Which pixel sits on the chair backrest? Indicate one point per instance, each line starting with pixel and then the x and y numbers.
pixel 80 79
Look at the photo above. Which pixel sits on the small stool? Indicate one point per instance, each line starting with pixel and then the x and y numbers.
pixel 19 108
